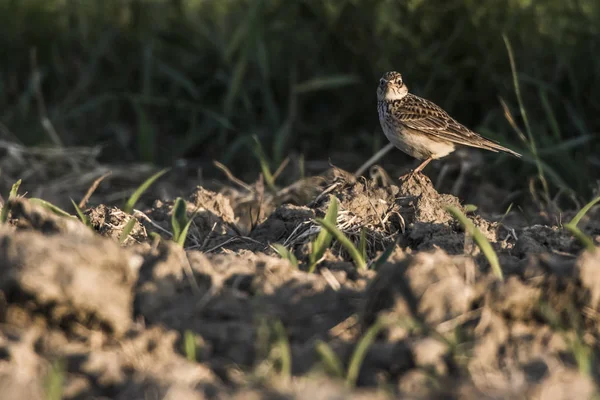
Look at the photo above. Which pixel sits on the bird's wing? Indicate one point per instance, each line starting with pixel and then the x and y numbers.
pixel 427 117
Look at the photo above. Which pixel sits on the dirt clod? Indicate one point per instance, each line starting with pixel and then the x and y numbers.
pixel 226 317
pixel 70 277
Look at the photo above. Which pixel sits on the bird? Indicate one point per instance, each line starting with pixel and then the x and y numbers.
pixel 421 128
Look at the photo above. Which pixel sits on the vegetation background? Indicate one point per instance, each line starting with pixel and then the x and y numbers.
pixel 160 80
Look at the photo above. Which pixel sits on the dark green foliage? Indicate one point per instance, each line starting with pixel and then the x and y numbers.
pixel 158 80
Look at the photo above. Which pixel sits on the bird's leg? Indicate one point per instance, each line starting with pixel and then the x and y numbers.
pixel 423 165
pixel 416 170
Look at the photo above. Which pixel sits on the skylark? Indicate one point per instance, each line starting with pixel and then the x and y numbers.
pixel 419 127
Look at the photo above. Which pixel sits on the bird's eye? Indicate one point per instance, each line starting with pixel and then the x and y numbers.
pixel 381 82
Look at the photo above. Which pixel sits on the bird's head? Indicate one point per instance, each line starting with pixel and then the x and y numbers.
pixel 391 87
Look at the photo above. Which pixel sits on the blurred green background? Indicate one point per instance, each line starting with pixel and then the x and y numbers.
pixel 160 80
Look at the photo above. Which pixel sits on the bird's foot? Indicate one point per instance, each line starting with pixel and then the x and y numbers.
pixel 416 171
pixel 410 175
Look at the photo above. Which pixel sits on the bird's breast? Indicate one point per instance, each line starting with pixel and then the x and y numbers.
pixel 412 142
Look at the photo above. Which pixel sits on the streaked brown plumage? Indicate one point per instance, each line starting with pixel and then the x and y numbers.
pixel 419 127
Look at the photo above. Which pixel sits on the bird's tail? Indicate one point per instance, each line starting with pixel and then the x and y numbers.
pixel 493 146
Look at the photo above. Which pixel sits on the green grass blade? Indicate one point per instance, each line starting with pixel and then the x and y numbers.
pixel 583 211
pixel 344 241
pixel 178 218
pixel 178 78
pixel 242 34
pixel 585 240
pixel 55 381
pixel 156 238
pixel 84 219
pixel 127 229
pixel 510 206
pixel 323 240
pixel 566 145
pixel 551 117
pixel 361 351
pixel 517 87
pixel 14 189
pixel 362 245
pixel 285 353
pixel 285 254
pixel 583 354
pixel 330 360
pixel 469 208
pixel 571 333
pixel 49 206
pixel 281 138
pixel 128 208
pixel 236 84
pixel 6 207
pixel 180 222
pixel 482 242
pixel 189 345
pixel 554 176
pixel 184 232
pixel 264 163
pixel 326 83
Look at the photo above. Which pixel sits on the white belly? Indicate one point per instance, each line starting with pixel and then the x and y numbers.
pixel 416 145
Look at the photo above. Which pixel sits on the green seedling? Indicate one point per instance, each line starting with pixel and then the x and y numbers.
pixel 469 208
pixel 323 240
pixel 55 381
pixel 333 364
pixel 480 240
pixel 262 343
pixel 12 195
pixel 273 351
pixel 583 354
pixel 585 240
pixel 362 246
pixel 127 229
pixel 51 207
pixel 330 360
pixel 282 346
pixel 131 202
pixel 285 254
pixel 572 334
pixel 506 212
pixel 578 233
pixel 264 163
pixel 189 345
pixel 133 199
pixel 359 261
pixel 59 211
pixel 583 211
pixel 360 352
pixel 84 219
pixel 180 221
pixel 156 238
